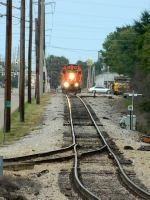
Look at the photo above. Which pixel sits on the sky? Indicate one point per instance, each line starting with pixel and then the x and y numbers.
pixel 75 29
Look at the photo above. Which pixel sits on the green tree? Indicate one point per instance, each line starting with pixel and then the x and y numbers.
pixel 141 26
pixel 98 66
pixel 143 51
pixel 119 51
pixel 84 67
pixel 54 65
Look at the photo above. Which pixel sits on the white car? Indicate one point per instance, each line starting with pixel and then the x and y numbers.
pixel 99 89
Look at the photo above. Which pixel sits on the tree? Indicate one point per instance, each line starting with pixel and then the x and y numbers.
pixel 141 26
pixel 143 51
pixel 54 65
pixel 98 66
pixel 119 51
pixel 84 67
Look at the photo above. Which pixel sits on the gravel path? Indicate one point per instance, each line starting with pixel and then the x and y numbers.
pixel 49 136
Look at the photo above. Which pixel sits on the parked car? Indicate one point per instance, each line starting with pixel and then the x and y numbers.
pixel 99 89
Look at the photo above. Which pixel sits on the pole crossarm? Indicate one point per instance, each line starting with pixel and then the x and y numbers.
pixel 5 4
pixel 135 95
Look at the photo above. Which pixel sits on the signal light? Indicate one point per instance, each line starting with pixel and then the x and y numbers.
pixel 16 62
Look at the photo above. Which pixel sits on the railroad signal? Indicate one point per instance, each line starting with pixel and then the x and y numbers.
pixel 16 62
pixel 131 107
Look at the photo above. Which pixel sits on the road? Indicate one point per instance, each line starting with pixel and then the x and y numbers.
pixel 14 102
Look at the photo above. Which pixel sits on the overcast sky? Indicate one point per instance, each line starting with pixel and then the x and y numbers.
pixel 75 29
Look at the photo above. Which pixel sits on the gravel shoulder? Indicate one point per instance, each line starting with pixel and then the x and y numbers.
pixel 48 136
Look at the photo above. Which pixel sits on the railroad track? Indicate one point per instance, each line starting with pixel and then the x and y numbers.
pixel 96 171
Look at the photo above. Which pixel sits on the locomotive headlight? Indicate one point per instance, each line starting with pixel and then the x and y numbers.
pixel 76 84
pixel 66 84
pixel 71 76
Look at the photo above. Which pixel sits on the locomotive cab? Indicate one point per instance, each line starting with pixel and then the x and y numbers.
pixel 71 78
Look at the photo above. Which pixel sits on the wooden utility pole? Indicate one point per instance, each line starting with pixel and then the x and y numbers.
pixel 44 76
pixel 22 62
pixel 38 45
pixel 37 61
pixel 7 109
pixel 41 27
pixel 44 26
pixel 30 54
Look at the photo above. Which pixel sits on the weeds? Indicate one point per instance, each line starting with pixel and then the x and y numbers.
pixel 33 114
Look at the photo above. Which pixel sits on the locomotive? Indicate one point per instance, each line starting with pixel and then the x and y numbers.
pixel 121 84
pixel 71 78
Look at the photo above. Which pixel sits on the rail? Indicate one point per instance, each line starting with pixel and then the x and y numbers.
pixel 78 184
pixel 125 178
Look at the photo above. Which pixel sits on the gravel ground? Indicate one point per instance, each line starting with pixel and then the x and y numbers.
pixel 49 136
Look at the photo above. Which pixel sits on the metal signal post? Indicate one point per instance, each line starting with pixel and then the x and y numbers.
pixel 131 108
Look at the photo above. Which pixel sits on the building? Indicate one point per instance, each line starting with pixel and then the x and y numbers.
pixel 105 79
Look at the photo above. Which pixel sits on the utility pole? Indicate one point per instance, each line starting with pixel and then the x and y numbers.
pixel 44 63
pixel 30 53
pixel 7 109
pixel 38 42
pixel 22 62
pixel 37 61
pixel 41 19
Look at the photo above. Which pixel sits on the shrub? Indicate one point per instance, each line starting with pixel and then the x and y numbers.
pixel 144 106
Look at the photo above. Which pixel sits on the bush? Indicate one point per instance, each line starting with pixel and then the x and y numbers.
pixel 144 106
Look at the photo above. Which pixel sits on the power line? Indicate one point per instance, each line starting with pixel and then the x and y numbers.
pixel 73 49
pixel 102 4
pixel 91 15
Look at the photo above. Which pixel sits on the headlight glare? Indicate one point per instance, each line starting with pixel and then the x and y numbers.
pixel 71 76
pixel 66 84
pixel 76 84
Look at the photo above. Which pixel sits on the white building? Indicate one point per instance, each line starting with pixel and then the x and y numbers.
pixel 105 79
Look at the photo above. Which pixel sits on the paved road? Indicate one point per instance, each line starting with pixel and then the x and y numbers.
pixel 14 103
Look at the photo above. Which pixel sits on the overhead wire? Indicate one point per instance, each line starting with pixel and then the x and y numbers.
pixel 102 4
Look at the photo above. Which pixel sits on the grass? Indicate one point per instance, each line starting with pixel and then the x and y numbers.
pixel 32 116
pixel 127 103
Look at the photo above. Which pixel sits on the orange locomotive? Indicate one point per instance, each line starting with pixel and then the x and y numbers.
pixel 71 78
